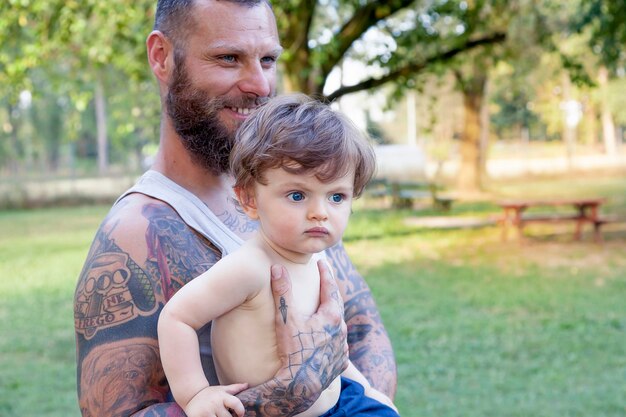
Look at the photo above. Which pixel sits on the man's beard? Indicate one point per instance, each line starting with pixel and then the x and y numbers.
pixel 195 117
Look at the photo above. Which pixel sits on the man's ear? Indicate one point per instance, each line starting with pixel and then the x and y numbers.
pixel 160 55
pixel 247 201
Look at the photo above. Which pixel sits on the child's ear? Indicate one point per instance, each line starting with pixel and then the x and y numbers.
pixel 247 201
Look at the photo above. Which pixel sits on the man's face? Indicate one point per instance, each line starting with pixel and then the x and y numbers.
pixel 227 68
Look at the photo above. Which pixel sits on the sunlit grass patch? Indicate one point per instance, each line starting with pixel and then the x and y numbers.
pixel 479 327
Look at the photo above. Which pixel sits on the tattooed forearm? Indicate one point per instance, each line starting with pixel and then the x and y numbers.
pixel 161 410
pixel 278 402
pixel 370 347
pixel 120 377
pixel 370 350
pixel 309 371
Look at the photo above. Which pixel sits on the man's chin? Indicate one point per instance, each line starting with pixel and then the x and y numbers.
pixel 230 124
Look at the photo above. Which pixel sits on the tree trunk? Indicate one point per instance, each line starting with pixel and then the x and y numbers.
pixel 571 119
pixel 47 118
pixel 469 177
pixel 298 77
pixel 101 126
pixel 484 133
pixel 608 126
pixel 15 150
pixel 411 117
pixel 590 131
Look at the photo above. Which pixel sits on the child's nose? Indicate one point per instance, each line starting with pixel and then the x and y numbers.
pixel 317 210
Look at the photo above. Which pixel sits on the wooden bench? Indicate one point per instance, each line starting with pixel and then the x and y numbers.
pixel 586 211
pixel 601 221
pixel 403 195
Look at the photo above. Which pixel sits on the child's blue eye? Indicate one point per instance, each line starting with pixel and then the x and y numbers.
pixel 296 196
pixel 337 198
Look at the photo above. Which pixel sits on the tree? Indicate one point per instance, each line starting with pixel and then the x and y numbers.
pixel 606 21
pixel 89 39
pixel 103 37
pixel 443 30
pixel 319 35
pixel 93 39
pixel 472 78
pixel 472 82
pixel 100 47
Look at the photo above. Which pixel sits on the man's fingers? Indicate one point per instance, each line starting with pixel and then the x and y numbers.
pixel 281 290
pixel 281 284
pixel 331 306
pixel 330 300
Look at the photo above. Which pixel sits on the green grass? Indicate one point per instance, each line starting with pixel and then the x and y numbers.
pixel 41 253
pixel 479 328
pixel 485 330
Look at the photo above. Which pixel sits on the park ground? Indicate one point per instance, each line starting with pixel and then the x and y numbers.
pixel 480 327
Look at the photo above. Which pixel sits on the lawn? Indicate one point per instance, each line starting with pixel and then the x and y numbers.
pixel 479 328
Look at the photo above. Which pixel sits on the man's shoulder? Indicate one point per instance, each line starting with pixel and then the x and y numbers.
pixel 148 229
pixel 136 211
pixel 137 202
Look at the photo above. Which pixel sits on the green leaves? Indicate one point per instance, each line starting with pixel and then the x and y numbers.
pixel 401 38
pixel 607 22
pixel 77 34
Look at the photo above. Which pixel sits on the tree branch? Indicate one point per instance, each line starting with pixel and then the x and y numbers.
pixel 364 18
pixel 415 67
pixel 296 35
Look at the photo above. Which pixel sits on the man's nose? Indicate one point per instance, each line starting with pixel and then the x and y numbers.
pixel 256 80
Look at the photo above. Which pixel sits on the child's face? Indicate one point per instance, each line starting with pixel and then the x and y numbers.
pixel 299 213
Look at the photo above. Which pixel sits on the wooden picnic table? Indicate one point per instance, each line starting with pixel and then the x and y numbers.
pixel 586 210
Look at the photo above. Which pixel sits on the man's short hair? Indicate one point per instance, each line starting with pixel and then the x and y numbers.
pixel 174 18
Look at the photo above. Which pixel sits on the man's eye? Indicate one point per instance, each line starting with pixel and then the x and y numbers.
pixel 228 58
pixel 268 60
pixel 337 198
pixel 296 196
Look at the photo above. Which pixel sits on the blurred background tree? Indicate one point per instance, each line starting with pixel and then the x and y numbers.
pixel 78 97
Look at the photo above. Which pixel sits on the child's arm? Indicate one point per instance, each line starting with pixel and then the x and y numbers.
pixel 217 291
pixel 354 374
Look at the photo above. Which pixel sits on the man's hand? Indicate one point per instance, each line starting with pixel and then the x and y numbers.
pixel 216 401
pixel 314 350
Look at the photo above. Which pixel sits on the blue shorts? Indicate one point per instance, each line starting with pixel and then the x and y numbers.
pixel 353 402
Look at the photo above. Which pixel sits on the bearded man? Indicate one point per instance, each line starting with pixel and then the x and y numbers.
pixel 215 61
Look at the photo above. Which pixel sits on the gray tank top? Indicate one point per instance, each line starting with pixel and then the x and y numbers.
pixel 197 216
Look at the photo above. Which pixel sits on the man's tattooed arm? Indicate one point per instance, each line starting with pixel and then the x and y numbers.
pixel 370 347
pixel 311 360
pixel 142 254
pixel 292 390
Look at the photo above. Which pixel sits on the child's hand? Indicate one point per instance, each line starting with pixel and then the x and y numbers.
pixel 217 401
